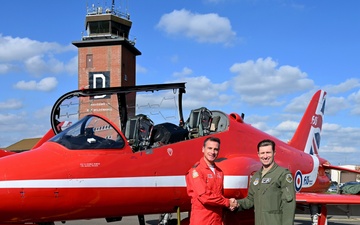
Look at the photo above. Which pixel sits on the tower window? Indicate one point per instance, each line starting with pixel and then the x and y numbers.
pixel 99 27
pixel 89 61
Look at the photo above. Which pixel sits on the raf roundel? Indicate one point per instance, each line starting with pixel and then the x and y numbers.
pixel 298 181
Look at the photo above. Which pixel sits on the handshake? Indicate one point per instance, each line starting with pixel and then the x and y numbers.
pixel 233 204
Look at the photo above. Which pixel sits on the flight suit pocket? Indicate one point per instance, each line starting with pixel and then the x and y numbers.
pixel 288 196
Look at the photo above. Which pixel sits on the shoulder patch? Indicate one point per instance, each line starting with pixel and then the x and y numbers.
pixel 289 178
pixel 195 174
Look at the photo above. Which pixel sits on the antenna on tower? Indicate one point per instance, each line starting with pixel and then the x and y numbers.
pixel 113 6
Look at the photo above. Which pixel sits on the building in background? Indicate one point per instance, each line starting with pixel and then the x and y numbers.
pixel 106 58
pixel 342 176
pixel 22 145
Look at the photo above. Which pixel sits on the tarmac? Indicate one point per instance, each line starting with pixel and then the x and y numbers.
pixel 154 220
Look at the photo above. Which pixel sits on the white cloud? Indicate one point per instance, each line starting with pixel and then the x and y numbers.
pixel 335 104
pixel 260 125
pixel 38 57
pixel 343 87
pixel 140 69
pixel 287 126
pixel 200 91
pixel 15 127
pixel 37 65
pixel 72 66
pixel 262 81
pixel 9 121
pixel 17 49
pixel 185 72
pixel 354 99
pixel 339 149
pixel 43 112
pixel 46 84
pixel 299 103
pixel 336 138
pixel 204 28
pixel 11 104
pixel 4 68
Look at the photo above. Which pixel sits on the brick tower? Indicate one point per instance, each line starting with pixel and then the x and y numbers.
pixel 106 58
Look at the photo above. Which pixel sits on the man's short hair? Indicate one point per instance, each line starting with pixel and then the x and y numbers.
pixel 266 142
pixel 215 139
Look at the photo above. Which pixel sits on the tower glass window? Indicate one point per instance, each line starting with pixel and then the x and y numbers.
pixel 119 29
pixel 99 27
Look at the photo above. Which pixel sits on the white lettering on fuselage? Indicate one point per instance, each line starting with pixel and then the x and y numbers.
pixel 89 164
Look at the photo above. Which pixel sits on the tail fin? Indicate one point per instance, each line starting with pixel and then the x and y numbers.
pixel 307 135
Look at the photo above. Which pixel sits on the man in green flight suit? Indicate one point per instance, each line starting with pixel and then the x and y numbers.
pixel 271 191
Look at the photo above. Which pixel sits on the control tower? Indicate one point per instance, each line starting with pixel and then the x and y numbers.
pixel 106 58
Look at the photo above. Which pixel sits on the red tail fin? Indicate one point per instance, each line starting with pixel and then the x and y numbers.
pixel 307 135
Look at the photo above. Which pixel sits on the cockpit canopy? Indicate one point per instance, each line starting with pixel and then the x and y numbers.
pixel 145 116
pixel 91 132
pixel 124 109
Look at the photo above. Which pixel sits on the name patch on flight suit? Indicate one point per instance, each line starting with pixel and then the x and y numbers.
pixel 256 181
pixel 210 176
pixel 266 180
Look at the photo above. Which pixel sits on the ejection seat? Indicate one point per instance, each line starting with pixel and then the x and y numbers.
pixel 138 132
pixel 199 122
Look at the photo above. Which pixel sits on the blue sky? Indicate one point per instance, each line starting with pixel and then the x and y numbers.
pixel 262 58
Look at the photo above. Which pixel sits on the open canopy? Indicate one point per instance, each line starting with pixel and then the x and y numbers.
pixel 118 104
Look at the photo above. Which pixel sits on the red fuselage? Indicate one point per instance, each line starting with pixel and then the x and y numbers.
pixel 53 183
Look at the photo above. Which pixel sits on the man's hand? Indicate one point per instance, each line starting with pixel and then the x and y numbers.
pixel 233 204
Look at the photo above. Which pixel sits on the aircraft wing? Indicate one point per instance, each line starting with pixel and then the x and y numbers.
pixel 340 168
pixel 321 198
pixel 4 152
pixel 336 204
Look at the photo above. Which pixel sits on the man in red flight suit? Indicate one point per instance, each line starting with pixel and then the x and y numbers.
pixel 205 187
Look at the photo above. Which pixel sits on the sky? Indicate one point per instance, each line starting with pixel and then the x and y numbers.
pixel 262 58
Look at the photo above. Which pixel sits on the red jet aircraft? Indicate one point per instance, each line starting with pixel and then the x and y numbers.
pixel 106 158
